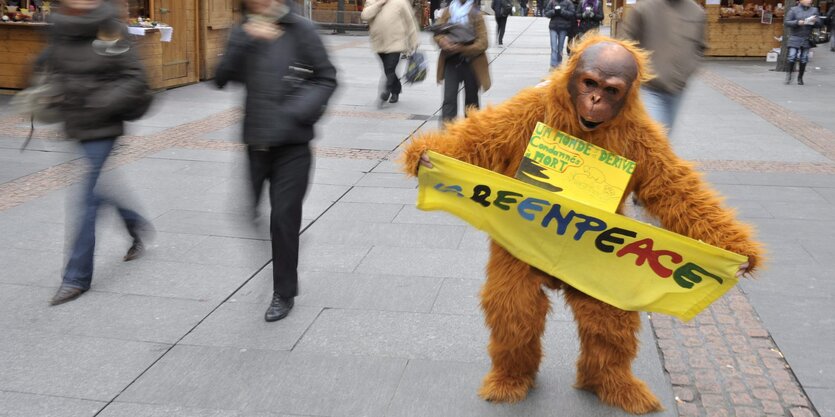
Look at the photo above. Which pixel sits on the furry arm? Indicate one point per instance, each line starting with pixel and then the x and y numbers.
pixel 674 193
pixel 494 138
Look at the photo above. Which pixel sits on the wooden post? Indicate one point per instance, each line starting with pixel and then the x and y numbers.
pixel 340 16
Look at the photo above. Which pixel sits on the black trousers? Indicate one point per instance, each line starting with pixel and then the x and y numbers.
pixel 501 23
pixel 458 70
pixel 390 61
pixel 287 168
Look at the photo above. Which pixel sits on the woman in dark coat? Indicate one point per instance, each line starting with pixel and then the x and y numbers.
pixel 800 20
pixel 590 14
pixel 101 83
pixel 561 13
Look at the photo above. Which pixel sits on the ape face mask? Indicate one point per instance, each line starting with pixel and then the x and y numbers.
pixel 600 83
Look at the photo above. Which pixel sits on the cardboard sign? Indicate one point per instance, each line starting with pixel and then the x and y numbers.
pixel 559 162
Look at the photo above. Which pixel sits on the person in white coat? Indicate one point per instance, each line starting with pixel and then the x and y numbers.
pixel 393 31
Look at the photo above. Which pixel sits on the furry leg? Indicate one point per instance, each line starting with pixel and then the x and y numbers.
pixel 608 345
pixel 515 308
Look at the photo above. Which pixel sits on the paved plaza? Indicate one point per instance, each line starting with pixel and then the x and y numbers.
pixel 387 322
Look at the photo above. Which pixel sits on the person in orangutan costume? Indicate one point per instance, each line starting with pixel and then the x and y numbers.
pixel 595 96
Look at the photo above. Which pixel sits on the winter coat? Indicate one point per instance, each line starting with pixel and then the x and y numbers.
pixel 391 25
pixel 674 31
pixel 502 8
pixel 588 23
pixel 562 19
pixel 100 85
pixel 288 81
pixel 799 34
pixel 474 52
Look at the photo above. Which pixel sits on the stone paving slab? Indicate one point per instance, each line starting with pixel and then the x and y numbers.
pixel 384 234
pixel 328 289
pixel 30 405
pixel 327 257
pixel 70 366
pixel 122 409
pixel 30 267
pixel 130 317
pixel 436 388
pixel 168 279
pixel 259 380
pixel 232 325
pixel 444 263
pixel 362 212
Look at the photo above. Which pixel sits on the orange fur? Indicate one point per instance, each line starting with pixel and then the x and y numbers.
pixel 513 300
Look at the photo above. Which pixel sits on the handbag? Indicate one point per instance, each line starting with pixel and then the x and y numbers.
pixel 41 100
pixel 818 37
pixel 455 32
pixel 416 68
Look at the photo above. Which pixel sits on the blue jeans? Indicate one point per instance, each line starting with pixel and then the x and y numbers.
pixel 793 55
pixel 79 270
pixel 558 38
pixel 661 106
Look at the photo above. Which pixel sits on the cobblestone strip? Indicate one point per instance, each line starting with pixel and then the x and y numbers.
pixel 319 151
pixel 802 129
pixel 766 166
pixel 724 363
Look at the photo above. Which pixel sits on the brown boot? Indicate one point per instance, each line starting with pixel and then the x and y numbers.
pixel 65 294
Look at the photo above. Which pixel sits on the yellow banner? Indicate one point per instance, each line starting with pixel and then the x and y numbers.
pixel 581 171
pixel 623 262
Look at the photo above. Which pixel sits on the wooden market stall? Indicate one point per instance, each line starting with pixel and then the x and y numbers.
pixel 22 38
pixel 168 44
pixel 20 44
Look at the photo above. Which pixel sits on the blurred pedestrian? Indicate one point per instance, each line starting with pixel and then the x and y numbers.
pixel 561 13
pixel 830 20
pixel 589 14
pixel 523 7
pixel 462 61
pixel 674 31
pixel 502 9
pixel 800 20
pixel 101 83
pixel 280 59
pixel 393 31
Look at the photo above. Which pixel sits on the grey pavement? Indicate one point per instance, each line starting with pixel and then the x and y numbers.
pixel 387 322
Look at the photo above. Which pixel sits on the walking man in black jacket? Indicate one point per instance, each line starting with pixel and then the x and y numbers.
pixel 280 59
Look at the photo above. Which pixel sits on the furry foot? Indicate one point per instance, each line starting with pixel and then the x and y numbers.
pixel 632 396
pixel 508 389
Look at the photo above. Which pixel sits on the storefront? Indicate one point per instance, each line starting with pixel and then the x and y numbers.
pixel 179 41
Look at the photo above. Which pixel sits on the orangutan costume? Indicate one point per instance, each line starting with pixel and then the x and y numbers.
pixel 595 96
